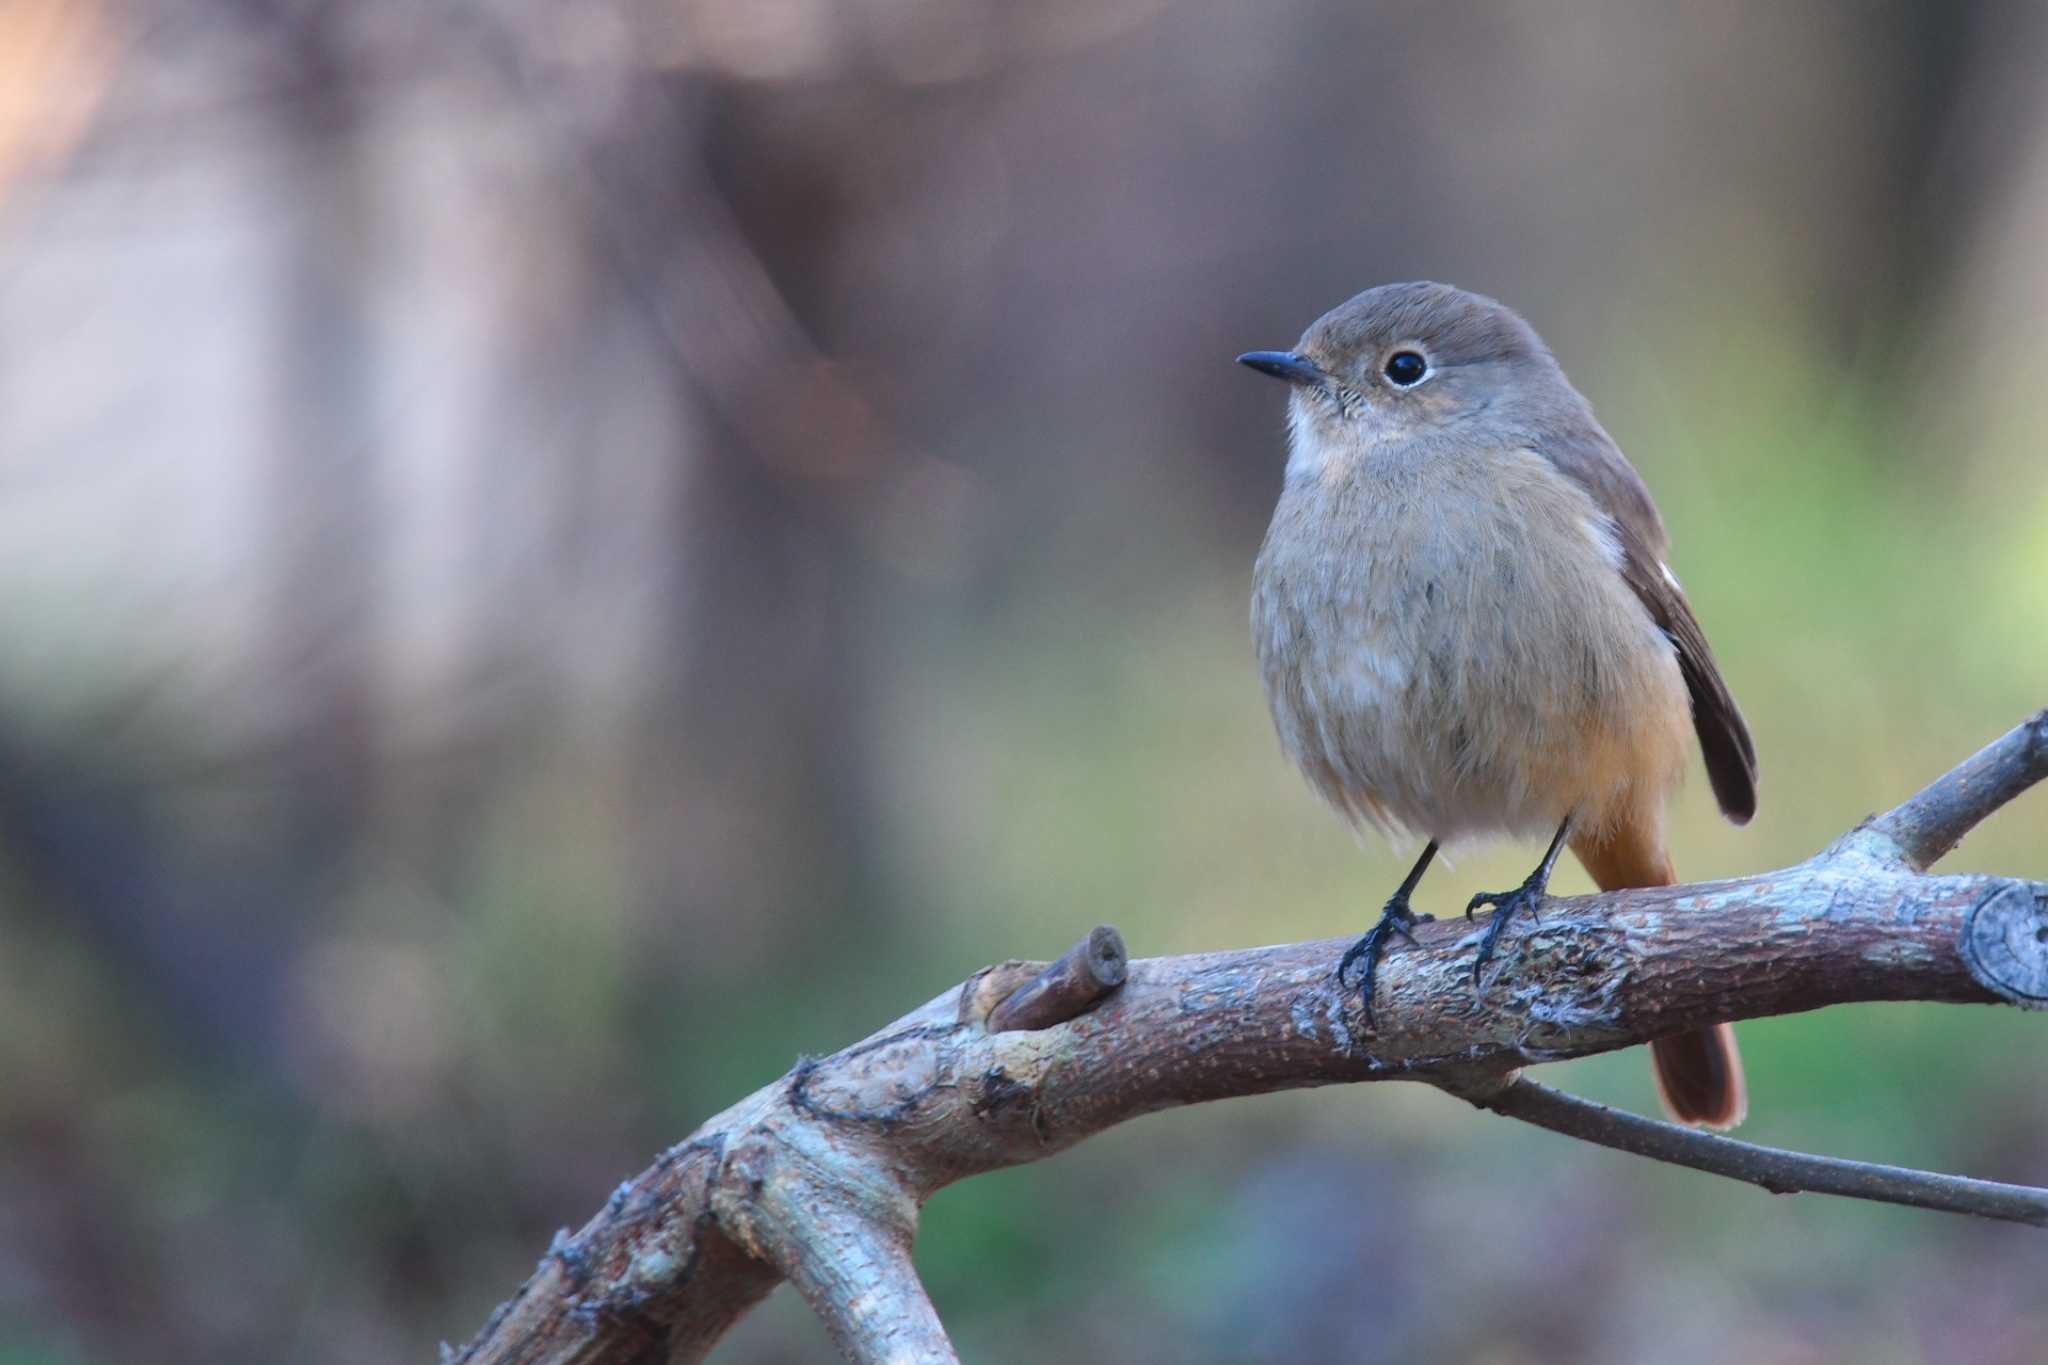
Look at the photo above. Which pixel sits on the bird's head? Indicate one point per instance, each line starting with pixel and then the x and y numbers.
pixel 1406 362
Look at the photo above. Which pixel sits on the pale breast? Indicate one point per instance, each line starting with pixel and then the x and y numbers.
pixel 1450 650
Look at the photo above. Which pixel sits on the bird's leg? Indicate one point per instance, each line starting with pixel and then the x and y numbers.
pixel 1396 918
pixel 1527 896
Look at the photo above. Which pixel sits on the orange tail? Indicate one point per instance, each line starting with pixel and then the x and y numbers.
pixel 1699 1074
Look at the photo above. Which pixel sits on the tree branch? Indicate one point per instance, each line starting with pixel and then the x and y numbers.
pixel 1926 826
pixel 818 1178
pixel 857 1275
pixel 1780 1172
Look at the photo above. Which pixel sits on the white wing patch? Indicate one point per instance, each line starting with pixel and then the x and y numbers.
pixel 1606 542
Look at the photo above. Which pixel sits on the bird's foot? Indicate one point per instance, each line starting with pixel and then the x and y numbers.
pixel 1396 919
pixel 1506 904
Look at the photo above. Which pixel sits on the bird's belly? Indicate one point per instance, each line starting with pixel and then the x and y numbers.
pixel 1457 704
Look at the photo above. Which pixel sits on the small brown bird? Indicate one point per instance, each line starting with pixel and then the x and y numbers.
pixel 1467 627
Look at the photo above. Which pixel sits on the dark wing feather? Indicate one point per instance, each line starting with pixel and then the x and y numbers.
pixel 1724 738
pixel 1587 456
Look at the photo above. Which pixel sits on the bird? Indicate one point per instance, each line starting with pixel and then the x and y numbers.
pixel 1468 627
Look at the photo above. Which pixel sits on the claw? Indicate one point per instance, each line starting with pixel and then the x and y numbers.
pixel 1524 898
pixel 1527 897
pixel 1397 918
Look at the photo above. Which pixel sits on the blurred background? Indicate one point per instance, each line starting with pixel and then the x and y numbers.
pixel 555 557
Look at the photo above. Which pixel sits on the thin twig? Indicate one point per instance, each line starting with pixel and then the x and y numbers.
pixel 1934 820
pixel 1778 1171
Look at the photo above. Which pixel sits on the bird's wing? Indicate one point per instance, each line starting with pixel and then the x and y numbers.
pixel 1591 460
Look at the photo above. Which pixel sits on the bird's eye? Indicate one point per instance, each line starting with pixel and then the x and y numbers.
pixel 1406 368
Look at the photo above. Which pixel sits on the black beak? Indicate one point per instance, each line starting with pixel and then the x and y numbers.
pixel 1287 365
